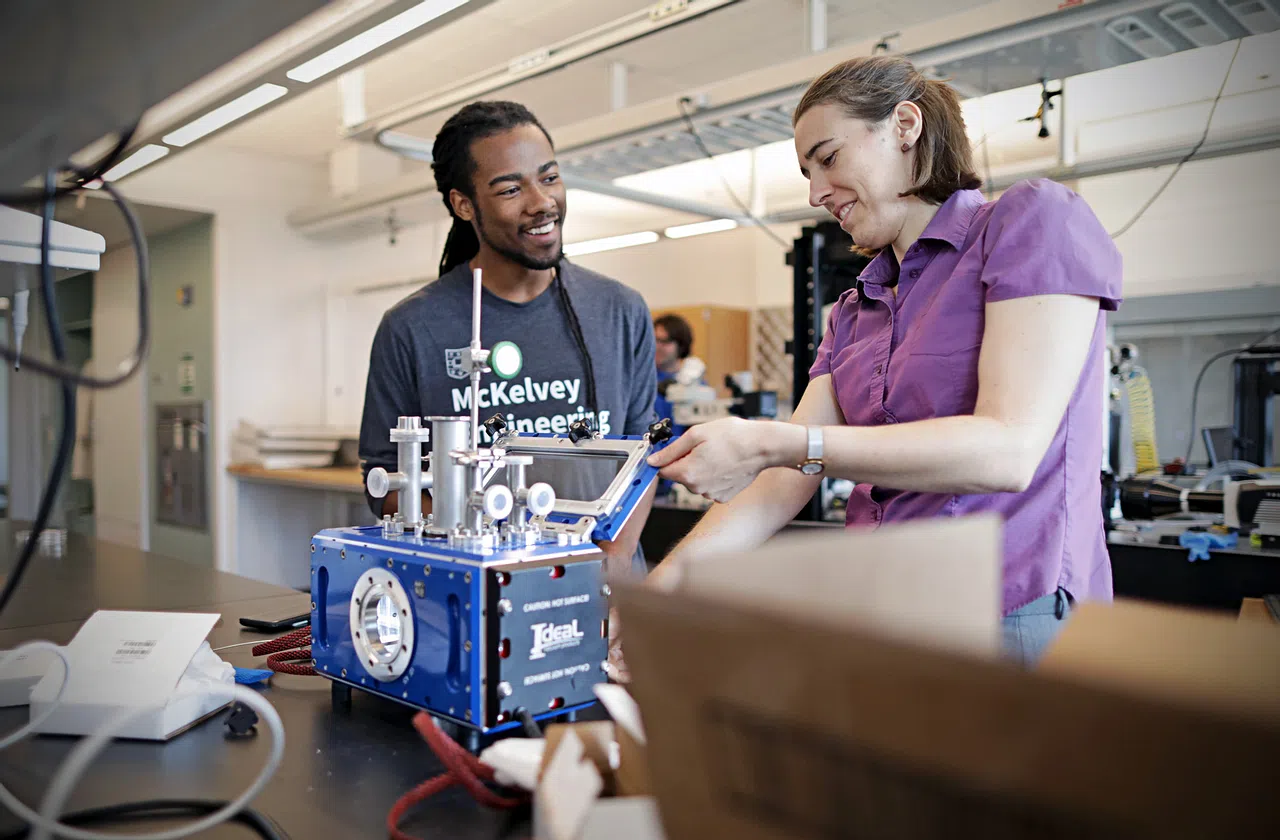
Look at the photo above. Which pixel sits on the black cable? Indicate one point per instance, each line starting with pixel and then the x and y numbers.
pixel 129 366
pixel 153 809
pixel 66 439
pixel 575 327
pixel 682 104
pixel 1195 389
pixel 83 175
pixel 530 726
pixel 1188 156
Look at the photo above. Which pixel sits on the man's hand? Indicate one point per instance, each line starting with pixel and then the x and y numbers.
pixel 719 460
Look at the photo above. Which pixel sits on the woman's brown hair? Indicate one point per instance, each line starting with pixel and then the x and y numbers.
pixel 870 88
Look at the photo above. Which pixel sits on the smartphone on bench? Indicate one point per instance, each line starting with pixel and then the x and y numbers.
pixel 275 621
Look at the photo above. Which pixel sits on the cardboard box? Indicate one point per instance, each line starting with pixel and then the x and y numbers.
pixel 594 779
pixel 848 686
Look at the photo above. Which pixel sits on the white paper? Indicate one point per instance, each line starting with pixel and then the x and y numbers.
pixel 568 789
pixel 622 707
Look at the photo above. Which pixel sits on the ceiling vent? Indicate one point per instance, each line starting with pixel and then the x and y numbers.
pixel 1254 15
pixel 1139 37
pixel 1191 24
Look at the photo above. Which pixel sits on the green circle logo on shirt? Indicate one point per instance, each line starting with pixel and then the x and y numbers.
pixel 506 360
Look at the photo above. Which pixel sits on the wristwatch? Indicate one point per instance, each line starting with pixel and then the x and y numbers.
pixel 812 464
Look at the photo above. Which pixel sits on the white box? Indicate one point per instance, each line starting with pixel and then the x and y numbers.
pixel 127 660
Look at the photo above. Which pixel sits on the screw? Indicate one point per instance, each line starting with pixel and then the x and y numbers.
pixel 405 695
pixel 343 554
pixel 451 710
pixel 391 564
pixel 313 605
pixel 426 570
pixel 468 714
pixel 419 589
pixel 313 548
pixel 504 606
pixel 467 578
pixel 450 575
pixel 604 666
pixel 468 688
pixel 326 667
pixel 313 663
pixel 606 590
pixel 344 672
pixel 504 690
pixel 467 646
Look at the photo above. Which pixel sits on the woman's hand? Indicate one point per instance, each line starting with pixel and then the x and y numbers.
pixel 718 460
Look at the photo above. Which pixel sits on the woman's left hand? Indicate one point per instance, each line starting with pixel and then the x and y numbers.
pixel 720 459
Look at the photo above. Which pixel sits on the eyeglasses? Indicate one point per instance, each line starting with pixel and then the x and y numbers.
pixel 665 340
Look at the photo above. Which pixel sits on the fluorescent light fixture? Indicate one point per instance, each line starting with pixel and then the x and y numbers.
pixel 611 243
pixel 148 154
pixel 224 114
pixel 699 228
pixel 369 40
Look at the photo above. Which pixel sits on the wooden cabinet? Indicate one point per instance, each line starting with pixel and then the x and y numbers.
pixel 721 338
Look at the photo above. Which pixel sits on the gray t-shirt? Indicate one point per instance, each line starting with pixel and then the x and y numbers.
pixel 411 373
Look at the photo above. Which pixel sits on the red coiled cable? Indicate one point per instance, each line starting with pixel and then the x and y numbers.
pixel 461 768
pixel 286 649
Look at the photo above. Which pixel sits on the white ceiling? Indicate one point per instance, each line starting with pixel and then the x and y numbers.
pixel 749 35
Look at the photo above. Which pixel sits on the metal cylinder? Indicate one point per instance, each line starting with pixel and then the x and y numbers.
pixel 409 465
pixel 449 490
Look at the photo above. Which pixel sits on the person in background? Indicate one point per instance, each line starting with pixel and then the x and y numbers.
pixel 586 340
pixel 673 343
pixel 963 374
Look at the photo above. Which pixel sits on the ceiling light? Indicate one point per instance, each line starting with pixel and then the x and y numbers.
pixel 225 114
pixel 369 40
pixel 699 228
pixel 610 243
pixel 148 154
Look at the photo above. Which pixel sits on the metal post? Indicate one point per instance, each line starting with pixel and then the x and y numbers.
pixel 816 25
pixel 409 465
pixel 617 86
pixel 476 288
pixel 448 480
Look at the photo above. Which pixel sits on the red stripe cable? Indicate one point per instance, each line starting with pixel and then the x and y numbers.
pixel 461 768
pixel 288 648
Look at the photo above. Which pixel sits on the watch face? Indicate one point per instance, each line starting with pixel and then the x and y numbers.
pixel 811 468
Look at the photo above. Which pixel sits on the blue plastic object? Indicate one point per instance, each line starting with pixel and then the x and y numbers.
pixel 252 676
pixel 1199 543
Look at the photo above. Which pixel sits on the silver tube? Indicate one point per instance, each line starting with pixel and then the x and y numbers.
pixel 449 480
pixel 477 286
pixel 409 465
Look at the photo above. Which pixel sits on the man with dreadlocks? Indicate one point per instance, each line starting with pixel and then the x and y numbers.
pixel 587 341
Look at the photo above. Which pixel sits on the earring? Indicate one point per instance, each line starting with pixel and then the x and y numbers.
pixel 906 147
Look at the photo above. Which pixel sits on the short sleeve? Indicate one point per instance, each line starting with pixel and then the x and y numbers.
pixel 1043 239
pixel 389 394
pixel 644 380
pixel 838 323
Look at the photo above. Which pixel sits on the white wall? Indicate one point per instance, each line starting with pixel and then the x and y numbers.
pixel 722 269
pixel 121 503
pixel 1215 226
pixel 270 285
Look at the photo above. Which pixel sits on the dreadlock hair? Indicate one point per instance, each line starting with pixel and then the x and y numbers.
pixel 454 166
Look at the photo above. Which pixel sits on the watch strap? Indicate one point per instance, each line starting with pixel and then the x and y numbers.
pixel 815 443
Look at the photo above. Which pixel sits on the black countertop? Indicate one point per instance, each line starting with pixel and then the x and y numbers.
pixel 342 770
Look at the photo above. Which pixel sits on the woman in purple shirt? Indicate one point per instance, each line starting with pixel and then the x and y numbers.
pixel 963 375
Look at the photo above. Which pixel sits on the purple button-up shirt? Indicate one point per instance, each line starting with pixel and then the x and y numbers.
pixel 916 357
